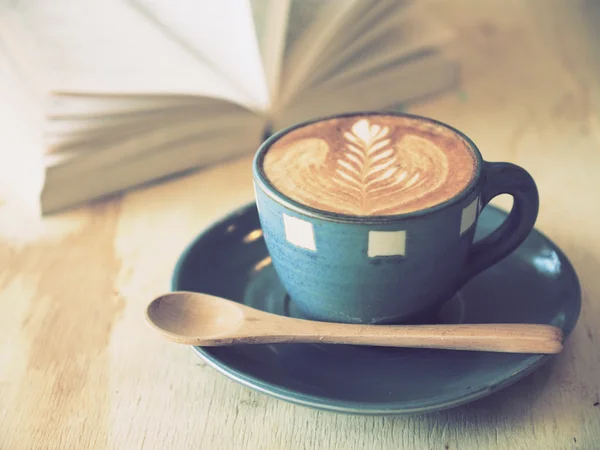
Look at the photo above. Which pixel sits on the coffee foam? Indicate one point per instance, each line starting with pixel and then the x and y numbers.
pixel 370 165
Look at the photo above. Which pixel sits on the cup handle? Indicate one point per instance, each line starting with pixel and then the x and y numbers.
pixel 504 178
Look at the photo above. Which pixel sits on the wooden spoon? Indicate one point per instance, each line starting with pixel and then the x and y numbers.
pixel 201 319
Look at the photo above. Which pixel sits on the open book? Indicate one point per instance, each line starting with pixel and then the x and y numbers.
pixel 130 91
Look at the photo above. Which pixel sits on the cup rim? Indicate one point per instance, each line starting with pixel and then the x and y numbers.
pixel 270 190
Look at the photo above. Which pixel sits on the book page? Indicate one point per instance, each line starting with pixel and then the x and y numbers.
pixel 110 48
pixel 87 126
pixel 271 24
pixel 221 33
pixel 312 25
pixel 70 106
pixel 366 19
pixel 384 89
pixel 67 132
pixel 21 148
pixel 361 30
pixel 90 152
pixel 302 14
pixel 408 40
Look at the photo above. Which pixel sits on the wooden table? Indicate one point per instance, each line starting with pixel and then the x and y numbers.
pixel 79 368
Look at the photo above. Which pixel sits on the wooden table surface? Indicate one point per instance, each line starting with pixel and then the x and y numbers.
pixel 79 368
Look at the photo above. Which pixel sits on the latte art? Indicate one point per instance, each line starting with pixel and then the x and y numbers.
pixel 370 165
pixel 371 173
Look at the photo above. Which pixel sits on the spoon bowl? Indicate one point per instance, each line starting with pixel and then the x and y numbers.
pixel 206 320
pixel 188 315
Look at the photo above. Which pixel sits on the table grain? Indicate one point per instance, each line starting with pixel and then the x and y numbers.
pixel 79 368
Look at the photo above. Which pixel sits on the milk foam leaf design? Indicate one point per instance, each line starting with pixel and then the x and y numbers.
pixel 373 170
pixel 366 158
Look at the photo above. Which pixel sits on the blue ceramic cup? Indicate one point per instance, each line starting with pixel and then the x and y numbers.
pixel 394 268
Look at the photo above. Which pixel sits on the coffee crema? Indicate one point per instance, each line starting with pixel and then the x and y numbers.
pixel 370 165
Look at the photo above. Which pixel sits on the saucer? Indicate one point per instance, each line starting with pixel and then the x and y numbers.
pixel 535 284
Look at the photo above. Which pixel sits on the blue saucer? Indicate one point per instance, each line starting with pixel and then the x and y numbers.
pixel 535 284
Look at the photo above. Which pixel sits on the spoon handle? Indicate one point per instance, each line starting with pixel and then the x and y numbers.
pixel 510 338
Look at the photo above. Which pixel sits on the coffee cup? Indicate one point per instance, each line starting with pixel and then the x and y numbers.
pixel 370 217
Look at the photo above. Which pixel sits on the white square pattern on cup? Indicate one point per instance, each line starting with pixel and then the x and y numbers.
pixel 386 243
pixel 469 215
pixel 381 243
pixel 299 232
